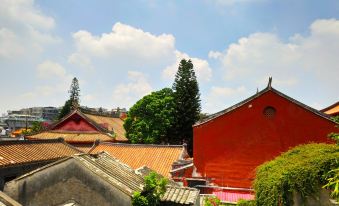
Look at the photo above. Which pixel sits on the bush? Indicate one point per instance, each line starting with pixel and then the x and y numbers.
pixel 301 169
pixel 246 203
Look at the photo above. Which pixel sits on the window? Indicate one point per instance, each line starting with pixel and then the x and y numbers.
pixel 269 112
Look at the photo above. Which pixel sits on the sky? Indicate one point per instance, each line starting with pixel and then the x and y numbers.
pixel 122 50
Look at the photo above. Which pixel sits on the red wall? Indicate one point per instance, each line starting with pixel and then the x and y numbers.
pixel 229 148
pixel 75 123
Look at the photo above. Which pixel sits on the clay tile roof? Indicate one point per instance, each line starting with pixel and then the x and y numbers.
pixel 73 137
pixel 181 195
pixel 157 157
pixel 17 152
pixel 332 109
pixel 112 124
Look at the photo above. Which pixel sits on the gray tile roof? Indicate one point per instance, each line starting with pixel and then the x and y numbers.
pixel 113 171
pixel 182 195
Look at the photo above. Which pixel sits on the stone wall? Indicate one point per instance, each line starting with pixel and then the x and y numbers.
pixel 322 198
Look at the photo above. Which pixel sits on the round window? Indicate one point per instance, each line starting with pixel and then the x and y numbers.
pixel 269 112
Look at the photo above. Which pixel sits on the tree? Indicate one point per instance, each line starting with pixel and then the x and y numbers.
pixel 154 189
pixel 65 109
pixel 74 94
pixel 151 119
pixel 73 101
pixel 187 101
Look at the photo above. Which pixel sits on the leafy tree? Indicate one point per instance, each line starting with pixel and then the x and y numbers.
pixel 73 101
pixel 154 189
pixel 187 101
pixel 36 127
pixel 74 93
pixel 150 120
pixel 65 109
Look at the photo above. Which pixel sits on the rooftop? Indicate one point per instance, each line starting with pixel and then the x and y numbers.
pixel 18 152
pixel 157 157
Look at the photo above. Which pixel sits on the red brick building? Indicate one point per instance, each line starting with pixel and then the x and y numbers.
pixel 229 145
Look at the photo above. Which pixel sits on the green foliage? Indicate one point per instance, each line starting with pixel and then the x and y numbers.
pixel 151 119
pixel 301 169
pixel 187 101
pixel 74 92
pixel 73 102
pixel 332 178
pixel 212 201
pixel 154 189
pixel 65 109
pixel 333 135
pixel 36 127
pixel 246 203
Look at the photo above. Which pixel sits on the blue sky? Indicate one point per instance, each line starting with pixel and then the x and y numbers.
pixel 122 50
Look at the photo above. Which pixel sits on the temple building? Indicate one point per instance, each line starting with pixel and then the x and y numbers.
pixel 82 130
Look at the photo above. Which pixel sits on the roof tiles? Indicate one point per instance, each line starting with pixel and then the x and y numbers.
pixel 157 157
pixel 23 151
pixel 73 137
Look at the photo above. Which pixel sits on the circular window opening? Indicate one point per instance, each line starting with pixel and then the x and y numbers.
pixel 269 112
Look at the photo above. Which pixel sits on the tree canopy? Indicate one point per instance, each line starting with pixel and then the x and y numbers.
pixel 74 99
pixel 74 92
pixel 151 119
pixel 187 102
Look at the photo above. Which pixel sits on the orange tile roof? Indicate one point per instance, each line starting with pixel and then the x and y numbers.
pixel 157 157
pixel 115 124
pixel 73 137
pixel 27 151
pixel 333 111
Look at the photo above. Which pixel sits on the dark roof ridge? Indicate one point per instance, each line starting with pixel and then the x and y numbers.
pixel 268 88
pixel 139 145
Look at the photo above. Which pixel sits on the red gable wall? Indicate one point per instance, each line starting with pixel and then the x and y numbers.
pixel 230 147
pixel 75 123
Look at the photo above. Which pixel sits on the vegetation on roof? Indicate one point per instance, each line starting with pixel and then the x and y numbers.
pixel 155 188
pixel 302 169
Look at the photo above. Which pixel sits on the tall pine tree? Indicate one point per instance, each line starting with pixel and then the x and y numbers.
pixel 74 92
pixel 73 101
pixel 187 100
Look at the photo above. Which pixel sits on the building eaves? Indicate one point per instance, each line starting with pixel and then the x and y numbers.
pixel 258 94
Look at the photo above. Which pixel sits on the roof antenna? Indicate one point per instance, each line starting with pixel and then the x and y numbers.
pixel 269 82
pixel 257 90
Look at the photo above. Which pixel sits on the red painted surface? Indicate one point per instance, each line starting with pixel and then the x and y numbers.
pixel 233 196
pixel 75 123
pixel 228 148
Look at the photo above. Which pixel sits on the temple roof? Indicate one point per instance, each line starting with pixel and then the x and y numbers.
pixel 157 157
pixel 269 88
pixel 17 152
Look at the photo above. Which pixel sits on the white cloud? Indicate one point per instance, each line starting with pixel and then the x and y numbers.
pixel 127 94
pixel 54 80
pixel 264 54
pixel 24 30
pixel 201 67
pixel 218 96
pixel 50 69
pixel 125 44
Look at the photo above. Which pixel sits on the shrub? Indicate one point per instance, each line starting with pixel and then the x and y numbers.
pixel 301 169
